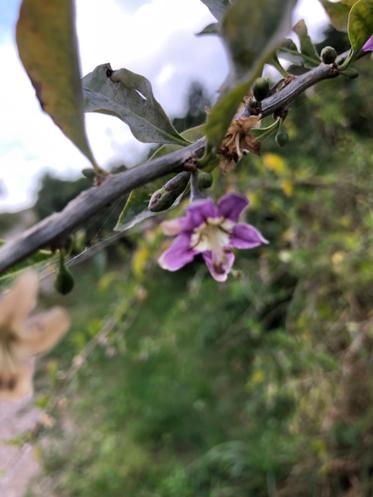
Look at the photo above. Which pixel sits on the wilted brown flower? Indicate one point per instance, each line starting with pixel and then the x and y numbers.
pixel 22 337
pixel 238 141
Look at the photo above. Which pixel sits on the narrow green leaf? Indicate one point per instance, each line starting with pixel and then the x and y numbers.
pixel 262 133
pixel 47 46
pixel 289 51
pixel 217 7
pixel 137 203
pixel 251 31
pixel 129 96
pixel 191 135
pixel 307 48
pixel 338 12
pixel 210 29
pixel 34 260
pixel 277 65
pixel 360 23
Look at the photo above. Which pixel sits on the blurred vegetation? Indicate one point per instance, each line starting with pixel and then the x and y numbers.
pixel 171 385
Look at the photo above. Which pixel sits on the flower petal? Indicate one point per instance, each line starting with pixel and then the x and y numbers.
pixel 198 213
pixel 219 273
pixel 173 227
pixel 41 332
pixel 368 45
pixel 231 205
pixel 20 300
pixel 245 236
pixel 178 254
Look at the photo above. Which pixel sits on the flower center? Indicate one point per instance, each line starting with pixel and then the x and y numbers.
pixel 213 235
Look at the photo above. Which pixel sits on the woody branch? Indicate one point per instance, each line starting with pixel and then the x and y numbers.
pixel 91 201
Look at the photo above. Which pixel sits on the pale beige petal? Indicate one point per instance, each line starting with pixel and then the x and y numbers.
pixel 19 383
pixel 172 227
pixel 41 332
pixel 19 301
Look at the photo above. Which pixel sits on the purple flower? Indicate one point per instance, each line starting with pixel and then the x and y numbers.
pixel 212 230
pixel 368 45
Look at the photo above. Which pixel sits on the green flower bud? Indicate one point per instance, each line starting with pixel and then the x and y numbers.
pixel 204 180
pixel 328 55
pixel 282 138
pixel 178 183
pixel 260 88
pixel 163 198
pixel 64 282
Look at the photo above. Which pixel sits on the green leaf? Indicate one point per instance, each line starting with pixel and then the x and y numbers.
pixel 34 260
pixel 136 204
pixel 129 96
pixel 210 29
pixel 277 65
pixel 289 51
pixel 360 23
pixel 217 7
pixel 47 46
pixel 251 31
pixel 262 133
pixel 191 135
pixel 337 12
pixel 307 48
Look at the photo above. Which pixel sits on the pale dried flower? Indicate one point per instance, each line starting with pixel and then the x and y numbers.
pixel 239 141
pixel 24 337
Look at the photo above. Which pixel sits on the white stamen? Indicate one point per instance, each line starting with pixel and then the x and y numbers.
pixel 213 235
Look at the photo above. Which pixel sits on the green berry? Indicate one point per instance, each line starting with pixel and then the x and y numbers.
pixel 204 180
pixel 328 55
pixel 260 89
pixel 282 138
pixel 64 282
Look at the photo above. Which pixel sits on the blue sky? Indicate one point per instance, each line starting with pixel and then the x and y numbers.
pixel 153 37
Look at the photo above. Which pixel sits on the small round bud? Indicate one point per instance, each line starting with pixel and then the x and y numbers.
pixel 282 138
pixel 260 89
pixel 204 180
pixel 328 55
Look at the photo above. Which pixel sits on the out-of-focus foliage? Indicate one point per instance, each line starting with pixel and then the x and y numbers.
pixel 261 386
